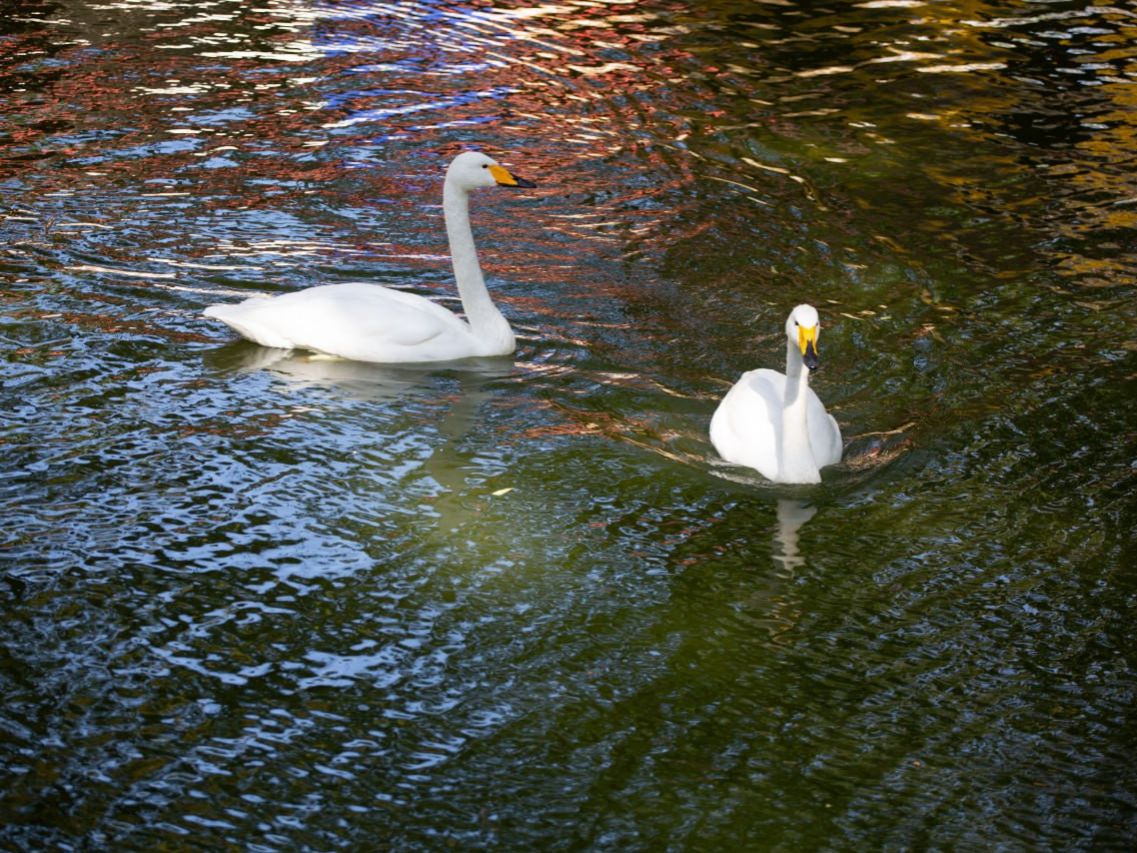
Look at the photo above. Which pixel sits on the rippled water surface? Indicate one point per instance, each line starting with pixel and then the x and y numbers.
pixel 282 603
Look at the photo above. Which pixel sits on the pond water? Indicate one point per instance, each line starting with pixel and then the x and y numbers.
pixel 271 603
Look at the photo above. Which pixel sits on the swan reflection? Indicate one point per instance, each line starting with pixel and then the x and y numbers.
pixel 454 475
pixel 783 604
pixel 792 514
pixel 362 380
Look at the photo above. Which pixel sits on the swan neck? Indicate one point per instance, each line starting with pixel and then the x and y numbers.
pixel 794 366
pixel 484 318
pixel 796 455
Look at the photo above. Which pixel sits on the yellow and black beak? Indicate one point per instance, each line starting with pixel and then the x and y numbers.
pixel 505 178
pixel 807 340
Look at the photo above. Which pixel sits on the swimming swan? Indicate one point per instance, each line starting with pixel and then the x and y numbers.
pixel 773 422
pixel 368 322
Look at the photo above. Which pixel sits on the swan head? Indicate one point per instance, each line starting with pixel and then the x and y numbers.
pixel 803 328
pixel 473 169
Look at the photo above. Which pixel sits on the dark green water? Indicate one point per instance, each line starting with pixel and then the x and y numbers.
pixel 291 604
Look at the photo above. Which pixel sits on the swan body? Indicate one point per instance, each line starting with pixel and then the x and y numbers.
pixel 368 322
pixel 774 422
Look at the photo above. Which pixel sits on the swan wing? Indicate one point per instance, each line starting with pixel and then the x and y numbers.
pixel 824 434
pixel 747 424
pixel 364 322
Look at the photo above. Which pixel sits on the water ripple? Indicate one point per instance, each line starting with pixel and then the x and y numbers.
pixel 263 600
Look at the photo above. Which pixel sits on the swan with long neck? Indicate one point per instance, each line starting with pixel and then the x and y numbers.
pixel 368 322
pixel 774 422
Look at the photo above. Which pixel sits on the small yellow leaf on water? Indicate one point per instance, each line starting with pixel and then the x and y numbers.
pixel 501 492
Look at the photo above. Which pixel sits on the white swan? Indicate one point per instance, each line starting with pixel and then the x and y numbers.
pixel 773 422
pixel 368 322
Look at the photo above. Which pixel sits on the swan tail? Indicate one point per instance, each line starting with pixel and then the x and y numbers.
pixel 232 316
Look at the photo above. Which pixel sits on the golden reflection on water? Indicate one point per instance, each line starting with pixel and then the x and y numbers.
pixel 645 125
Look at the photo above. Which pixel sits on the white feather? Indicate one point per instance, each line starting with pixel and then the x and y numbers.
pixel 368 322
pixel 774 422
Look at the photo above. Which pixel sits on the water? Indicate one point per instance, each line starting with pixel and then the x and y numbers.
pixel 298 604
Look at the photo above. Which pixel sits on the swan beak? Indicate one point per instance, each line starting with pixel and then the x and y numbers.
pixel 807 340
pixel 505 179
